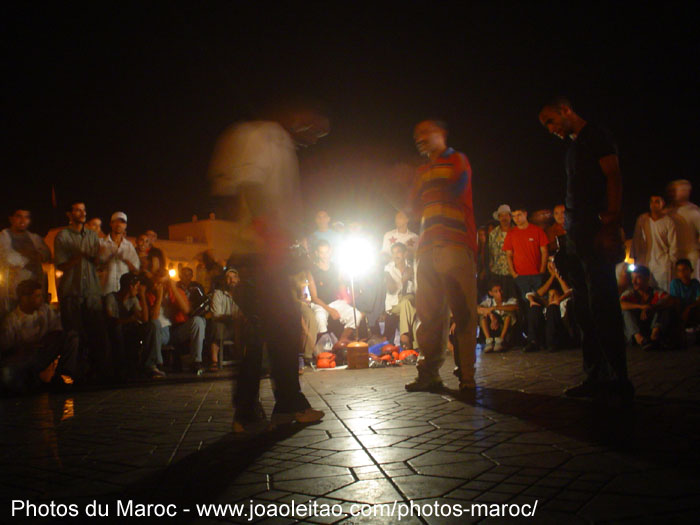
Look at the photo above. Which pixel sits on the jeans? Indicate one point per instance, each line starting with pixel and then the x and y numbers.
pixel 191 331
pixel 635 325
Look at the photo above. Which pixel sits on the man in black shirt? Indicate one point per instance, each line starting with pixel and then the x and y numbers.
pixel 593 247
pixel 325 289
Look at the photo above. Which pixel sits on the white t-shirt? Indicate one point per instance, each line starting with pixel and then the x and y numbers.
pixel 393 299
pixel 490 301
pixel 408 238
pixel 20 328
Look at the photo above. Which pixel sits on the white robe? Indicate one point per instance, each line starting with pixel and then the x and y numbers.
pixel 687 221
pixel 655 246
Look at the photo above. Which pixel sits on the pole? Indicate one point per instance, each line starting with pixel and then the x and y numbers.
pixel 354 310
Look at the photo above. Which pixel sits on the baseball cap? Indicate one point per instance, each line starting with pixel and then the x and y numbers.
pixel 118 215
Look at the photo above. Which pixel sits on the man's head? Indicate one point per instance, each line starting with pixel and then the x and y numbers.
pixel 118 223
pixel 30 295
pixel 640 278
pixel 430 137
pixel 520 217
pixel 323 251
pixel 129 285
pixel 322 220
pixel 152 235
pixel 559 214
pixel 186 275
pixel 20 220
pixel 232 278
pixel 679 191
pixel 76 213
pixel 94 224
pixel 496 292
pixel 558 117
pixel 684 270
pixel 398 253
pixel 503 215
pixel 656 204
pixel 401 220
pixel 143 243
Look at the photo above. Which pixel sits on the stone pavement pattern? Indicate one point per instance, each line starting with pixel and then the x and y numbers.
pixel 518 442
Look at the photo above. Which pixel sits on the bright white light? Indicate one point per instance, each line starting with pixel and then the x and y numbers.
pixel 172 273
pixel 356 256
pixel 631 267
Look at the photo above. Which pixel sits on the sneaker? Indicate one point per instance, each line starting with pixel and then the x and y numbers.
pixel 306 416
pixel 198 368
pixel 586 389
pixel 499 346
pixel 531 347
pixel 424 385
pixel 488 347
pixel 155 373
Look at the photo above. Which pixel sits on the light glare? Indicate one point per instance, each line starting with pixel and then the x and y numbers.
pixel 356 256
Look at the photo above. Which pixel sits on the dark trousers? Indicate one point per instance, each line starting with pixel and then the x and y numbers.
pixel 535 324
pixel 84 315
pixel 272 319
pixel 597 310
pixel 20 367
pixel 125 340
pixel 556 333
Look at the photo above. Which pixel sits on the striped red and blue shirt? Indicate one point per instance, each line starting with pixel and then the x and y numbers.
pixel 442 194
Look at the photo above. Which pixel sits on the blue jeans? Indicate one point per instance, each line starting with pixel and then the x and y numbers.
pixel 191 332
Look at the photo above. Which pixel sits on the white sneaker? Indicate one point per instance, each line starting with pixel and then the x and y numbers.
pixel 499 347
pixel 488 347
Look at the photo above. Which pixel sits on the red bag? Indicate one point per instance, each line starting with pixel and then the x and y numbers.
pixel 326 360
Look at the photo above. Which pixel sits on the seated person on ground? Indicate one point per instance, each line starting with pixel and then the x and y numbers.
pixel 168 304
pixel 34 349
pixel 400 302
pixel 127 318
pixel 226 316
pixel 686 291
pixel 326 289
pixel 555 294
pixel 647 312
pixel 194 291
pixel 497 315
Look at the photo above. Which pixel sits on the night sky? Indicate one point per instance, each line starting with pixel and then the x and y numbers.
pixel 121 105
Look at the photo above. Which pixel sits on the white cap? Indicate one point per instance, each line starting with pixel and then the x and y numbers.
pixel 503 208
pixel 118 215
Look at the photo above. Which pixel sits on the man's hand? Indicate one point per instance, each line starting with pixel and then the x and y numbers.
pixel 646 312
pixel 334 314
pixel 514 274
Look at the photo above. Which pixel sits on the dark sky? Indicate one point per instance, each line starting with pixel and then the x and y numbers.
pixel 121 105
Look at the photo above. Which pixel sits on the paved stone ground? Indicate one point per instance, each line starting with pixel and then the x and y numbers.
pixel 518 442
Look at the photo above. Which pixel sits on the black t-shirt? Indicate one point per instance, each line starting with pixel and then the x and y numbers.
pixel 327 283
pixel 586 188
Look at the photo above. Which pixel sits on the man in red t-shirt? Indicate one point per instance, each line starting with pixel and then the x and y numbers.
pixel 526 249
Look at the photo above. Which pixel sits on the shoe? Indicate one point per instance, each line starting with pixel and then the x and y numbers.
pixel 197 368
pixel 585 389
pixel 425 385
pixel 467 391
pixel 488 347
pixel 650 346
pixel 213 367
pixel 499 346
pixel 155 373
pixel 306 417
pixel 531 347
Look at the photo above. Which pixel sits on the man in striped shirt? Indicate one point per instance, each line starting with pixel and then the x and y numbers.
pixel 442 197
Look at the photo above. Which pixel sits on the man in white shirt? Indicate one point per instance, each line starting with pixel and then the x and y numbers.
pixel 33 346
pixel 497 315
pixel 400 297
pixel 225 314
pixel 654 244
pixel 401 234
pixel 21 256
pixel 686 215
pixel 117 253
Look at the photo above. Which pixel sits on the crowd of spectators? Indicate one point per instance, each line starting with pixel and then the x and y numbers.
pixel 119 308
